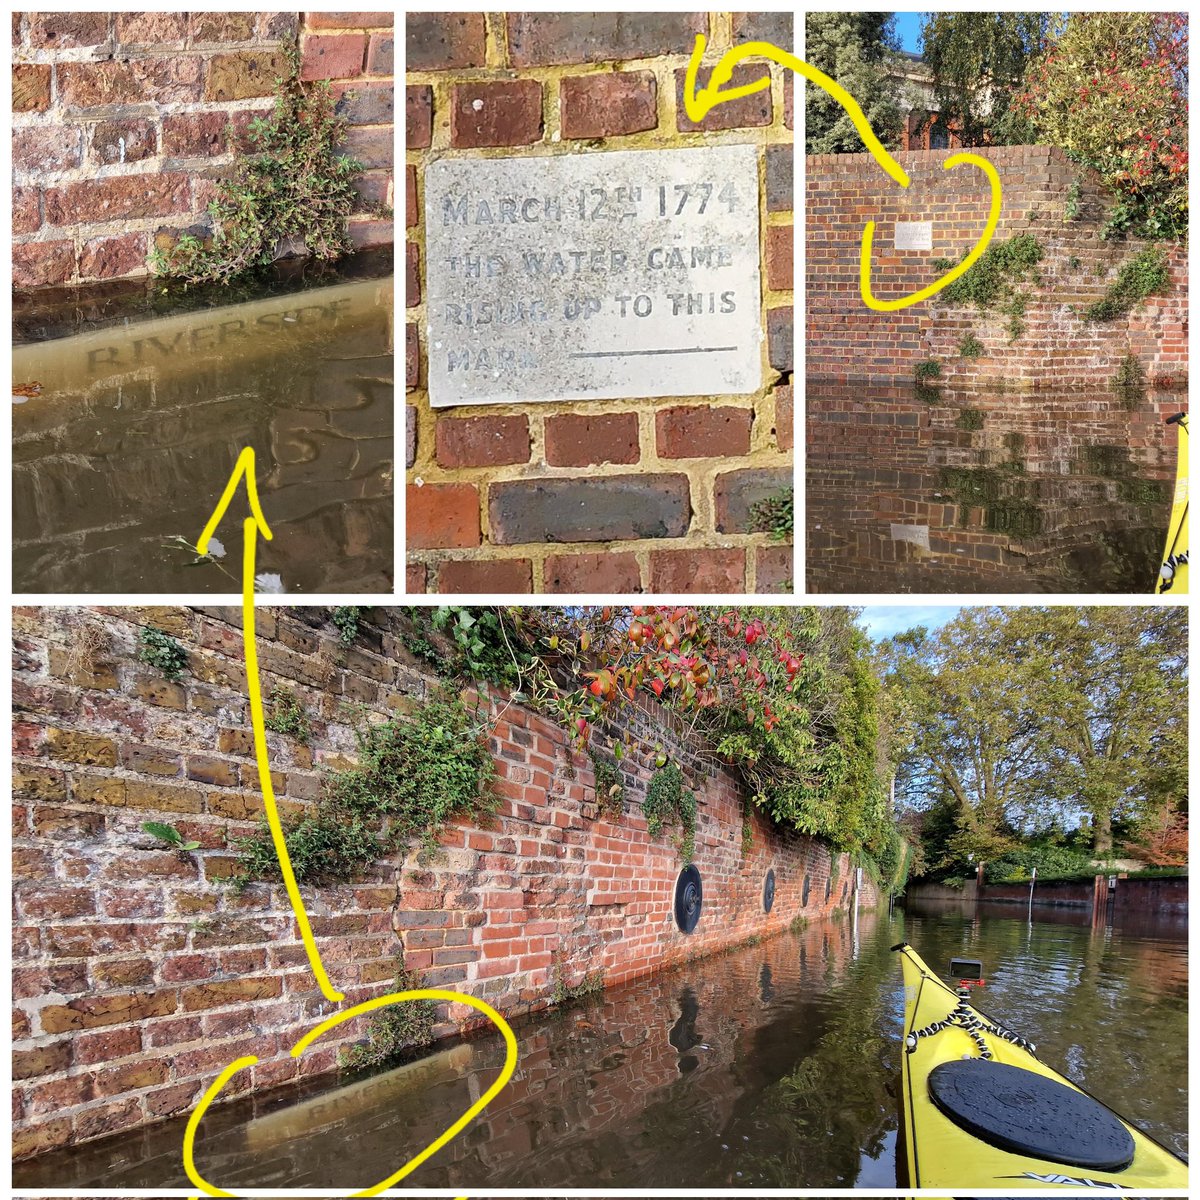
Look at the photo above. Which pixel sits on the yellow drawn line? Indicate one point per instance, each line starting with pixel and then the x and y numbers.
pixel 698 103
pixel 252 526
pixel 501 1081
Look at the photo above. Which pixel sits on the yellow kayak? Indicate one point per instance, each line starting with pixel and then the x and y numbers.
pixel 978 1110
pixel 1173 575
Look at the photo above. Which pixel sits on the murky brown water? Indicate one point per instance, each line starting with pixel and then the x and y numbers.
pixel 136 429
pixel 986 491
pixel 774 1066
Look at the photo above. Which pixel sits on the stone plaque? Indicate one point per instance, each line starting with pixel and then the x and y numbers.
pixel 914 235
pixel 593 276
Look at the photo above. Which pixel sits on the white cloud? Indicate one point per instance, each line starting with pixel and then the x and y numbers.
pixel 886 620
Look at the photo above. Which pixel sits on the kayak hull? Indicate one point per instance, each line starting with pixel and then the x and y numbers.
pixel 1173 574
pixel 938 1152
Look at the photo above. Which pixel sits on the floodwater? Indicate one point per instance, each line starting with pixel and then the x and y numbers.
pixel 122 454
pixel 986 491
pixel 776 1065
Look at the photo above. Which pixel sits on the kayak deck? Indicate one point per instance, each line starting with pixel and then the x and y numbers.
pixel 979 1110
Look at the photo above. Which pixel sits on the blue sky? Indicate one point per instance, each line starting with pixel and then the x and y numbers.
pixel 908 28
pixel 885 620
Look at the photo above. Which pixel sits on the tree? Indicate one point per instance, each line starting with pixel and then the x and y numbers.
pixel 858 50
pixel 1112 92
pixel 978 60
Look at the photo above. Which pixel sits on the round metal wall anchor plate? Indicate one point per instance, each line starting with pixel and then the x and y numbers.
pixel 769 890
pixel 804 897
pixel 828 888
pixel 689 898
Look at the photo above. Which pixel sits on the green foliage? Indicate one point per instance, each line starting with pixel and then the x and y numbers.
pixel 413 775
pixel 160 650
pixel 396 1030
pixel 610 786
pixel 991 282
pixel 747 830
pixel 799 923
pixel 170 835
pixel 1143 275
pixel 592 984
pixel 347 618
pixel 287 715
pixel 469 642
pixel 291 185
pixel 927 393
pixel 929 368
pixel 1074 262
pixel 860 51
pixel 978 60
pixel 970 346
pixel 970 418
pixel 774 515
pixel 1071 207
pixel 1130 381
pixel 1053 861
pixel 1111 90
pixel 668 802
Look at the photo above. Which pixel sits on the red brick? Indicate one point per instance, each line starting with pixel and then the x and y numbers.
pixel 506 576
pixel 443 516
pixel 737 492
pixel 502 113
pixel 414 579
pixel 418 116
pixel 169 80
pixel 104 1046
pixel 747 111
pixel 788 118
pixel 38 263
pixel 440 41
pixel 482 441
pixel 123 142
pixel 783 417
pixel 780 337
pixel 543 39
pixel 348 20
pixel 30 87
pixel 582 441
pixel 46 149
pixel 702 431
pixel 337 56
pixel 381 54
pixel 148 28
pixel 67 30
pixel 372 146
pixel 412 356
pixel 774 569
pixel 194 135
pixel 112 257
pixel 412 275
pixel 365 234
pixel 773 27
pixel 691 571
pixel 779 258
pixel 27 216
pixel 365 102
pixel 121 197
pixel 595 106
pixel 411 216
pixel 607 573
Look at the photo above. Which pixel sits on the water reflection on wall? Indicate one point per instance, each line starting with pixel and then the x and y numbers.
pixel 1003 492
pixel 134 432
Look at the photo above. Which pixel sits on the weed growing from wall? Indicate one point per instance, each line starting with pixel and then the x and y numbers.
pixel 774 515
pixel 591 984
pixel 610 786
pixel 287 715
pixel 169 836
pixel 468 642
pixel 991 283
pixel 970 346
pixel 1143 275
pixel 394 1031
pixel 970 419
pixel 1129 382
pixel 291 185
pixel 347 619
pixel 413 775
pixel 668 802
pixel 160 650
pixel 929 369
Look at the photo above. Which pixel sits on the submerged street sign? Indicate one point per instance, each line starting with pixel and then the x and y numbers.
pixel 593 276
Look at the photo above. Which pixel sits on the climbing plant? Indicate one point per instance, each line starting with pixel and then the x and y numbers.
pixel 992 282
pixel 669 802
pixel 1140 276
pixel 160 650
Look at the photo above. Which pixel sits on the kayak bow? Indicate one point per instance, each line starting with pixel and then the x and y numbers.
pixel 979 1110
pixel 1173 574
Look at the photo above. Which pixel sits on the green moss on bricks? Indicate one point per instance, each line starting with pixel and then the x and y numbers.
pixel 1143 275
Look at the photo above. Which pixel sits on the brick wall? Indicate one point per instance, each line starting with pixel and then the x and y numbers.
pixel 617 495
pixel 135 967
pixel 121 124
pixel 1058 349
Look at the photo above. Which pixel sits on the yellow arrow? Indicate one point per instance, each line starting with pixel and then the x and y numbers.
pixel 252 526
pixel 698 104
